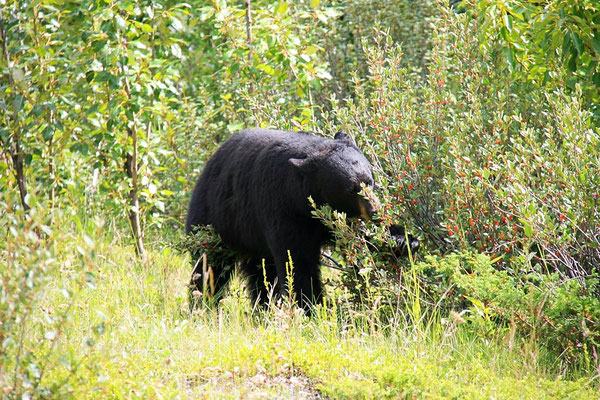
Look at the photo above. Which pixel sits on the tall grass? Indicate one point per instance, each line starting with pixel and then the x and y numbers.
pixel 127 333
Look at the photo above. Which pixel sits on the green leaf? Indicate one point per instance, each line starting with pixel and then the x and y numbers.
pixel 235 127
pixel 596 42
pixel 103 76
pixel 18 102
pixel 566 46
pixel 121 23
pixel 596 79
pixel 282 7
pixel 508 22
pixel 18 75
pixel 267 69
pixel 324 74
pixel 92 109
pixel 577 43
pixel 592 68
pixel 64 361
pixel 322 17
pixel 572 64
pixel 37 110
pixel 518 46
pixel 311 50
pixel 510 55
pixel 146 28
pixel 176 24
pixel 505 34
pixel 47 133
pixel 526 227
pixel 98 45
pixel 176 50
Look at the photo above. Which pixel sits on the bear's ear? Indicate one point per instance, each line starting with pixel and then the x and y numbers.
pixel 300 163
pixel 345 138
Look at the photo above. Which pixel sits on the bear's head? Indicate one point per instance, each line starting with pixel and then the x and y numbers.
pixel 338 174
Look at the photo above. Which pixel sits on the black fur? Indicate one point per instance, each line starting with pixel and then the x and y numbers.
pixel 398 235
pixel 254 192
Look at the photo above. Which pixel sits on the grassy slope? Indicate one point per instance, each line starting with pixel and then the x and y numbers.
pixel 149 347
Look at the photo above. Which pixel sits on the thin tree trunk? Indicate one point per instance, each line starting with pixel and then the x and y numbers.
pixel 51 165
pixel 17 157
pixel 131 168
pixel 249 29
pixel 134 203
pixel 15 151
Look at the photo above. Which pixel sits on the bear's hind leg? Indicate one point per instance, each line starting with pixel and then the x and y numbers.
pixel 209 281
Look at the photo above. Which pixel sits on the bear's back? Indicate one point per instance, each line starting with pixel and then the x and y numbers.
pixel 282 141
pixel 246 177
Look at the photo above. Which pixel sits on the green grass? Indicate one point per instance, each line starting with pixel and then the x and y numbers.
pixel 129 335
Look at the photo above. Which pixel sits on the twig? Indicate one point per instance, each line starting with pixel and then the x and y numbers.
pixel 336 266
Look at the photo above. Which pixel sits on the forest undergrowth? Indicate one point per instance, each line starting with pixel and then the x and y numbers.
pixel 482 126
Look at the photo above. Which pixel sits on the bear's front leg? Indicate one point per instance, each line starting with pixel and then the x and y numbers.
pixel 262 280
pixel 300 256
pixel 306 279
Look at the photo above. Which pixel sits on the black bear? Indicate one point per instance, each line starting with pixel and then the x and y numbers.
pixel 254 192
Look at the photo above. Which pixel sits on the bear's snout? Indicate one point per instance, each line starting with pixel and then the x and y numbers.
pixel 369 205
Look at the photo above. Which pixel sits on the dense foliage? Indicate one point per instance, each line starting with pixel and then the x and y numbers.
pixel 546 42
pixel 481 122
